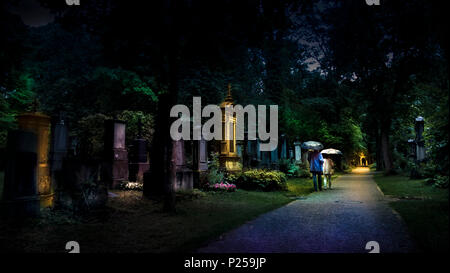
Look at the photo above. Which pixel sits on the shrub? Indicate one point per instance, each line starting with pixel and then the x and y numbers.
pixel 214 174
pixel 303 171
pixel 438 181
pixel 90 132
pixel 232 178
pixel 265 180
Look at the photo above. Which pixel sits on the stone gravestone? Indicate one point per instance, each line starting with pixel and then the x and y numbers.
pixel 184 177
pixel 20 194
pixel 138 158
pixel 200 159
pixel 274 158
pixel 116 155
pixel 283 154
pixel 412 148
pixel 298 151
pixel 59 147
pixel 420 142
pixel 39 124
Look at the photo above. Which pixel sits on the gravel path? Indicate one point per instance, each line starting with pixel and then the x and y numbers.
pixel 343 219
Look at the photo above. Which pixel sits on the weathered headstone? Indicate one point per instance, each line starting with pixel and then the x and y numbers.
pixel 412 148
pixel 283 154
pixel 420 142
pixel 298 151
pixel 184 179
pixel 200 159
pixel 59 146
pixel 116 154
pixel 138 157
pixel 274 157
pixel 20 193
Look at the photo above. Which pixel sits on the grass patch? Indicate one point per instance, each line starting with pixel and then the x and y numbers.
pixel 424 208
pixel 299 187
pixel 132 223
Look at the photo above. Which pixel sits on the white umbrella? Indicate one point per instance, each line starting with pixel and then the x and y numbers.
pixel 331 151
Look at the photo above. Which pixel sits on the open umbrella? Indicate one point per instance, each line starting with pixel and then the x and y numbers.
pixel 313 145
pixel 331 151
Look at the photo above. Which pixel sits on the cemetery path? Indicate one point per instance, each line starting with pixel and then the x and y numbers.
pixel 340 220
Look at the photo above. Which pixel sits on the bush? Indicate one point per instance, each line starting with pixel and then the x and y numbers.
pixel 303 171
pixel 214 173
pixel 265 180
pixel 90 132
pixel 438 181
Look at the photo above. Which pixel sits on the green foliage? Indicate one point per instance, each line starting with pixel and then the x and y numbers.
pixel 15 96
pixel 132 130
pixel 215 175
pixel 266 180
pixel 438 181
pixel 90 132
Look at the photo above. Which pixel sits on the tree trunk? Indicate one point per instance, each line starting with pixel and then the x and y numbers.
pixel 163 166
pixel 385 147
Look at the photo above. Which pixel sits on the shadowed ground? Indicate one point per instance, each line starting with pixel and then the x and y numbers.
pixel 343 219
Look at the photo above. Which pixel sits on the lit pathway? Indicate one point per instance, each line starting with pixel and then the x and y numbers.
pixel 343 219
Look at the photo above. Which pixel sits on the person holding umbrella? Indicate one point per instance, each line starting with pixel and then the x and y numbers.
pixel 327 172
pixel 328 165
pixel 315 163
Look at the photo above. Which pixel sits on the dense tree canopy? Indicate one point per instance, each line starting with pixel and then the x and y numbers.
pixel 349 75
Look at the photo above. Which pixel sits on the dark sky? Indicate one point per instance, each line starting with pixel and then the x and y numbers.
pixel 31 12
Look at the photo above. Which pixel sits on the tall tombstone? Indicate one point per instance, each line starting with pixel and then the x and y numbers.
pixel 291 154
pixel 39 124
pixel 420 141
pixel 283 152
pixel 200 159
pixel 240 151
pixel 298 151
pixel 138 158
pixel 59 147
pixel 412 148
pixel 116 155
pixel 184 179
pixel 274 158
pixel 21 194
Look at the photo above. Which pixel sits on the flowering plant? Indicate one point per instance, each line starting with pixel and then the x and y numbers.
pixel 223 186
pixel 132 186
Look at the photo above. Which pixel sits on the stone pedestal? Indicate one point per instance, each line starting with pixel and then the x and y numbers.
pixel 39 124
pixel 184 179
pixel 116 155
pixel 20 194
pixel 138 161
